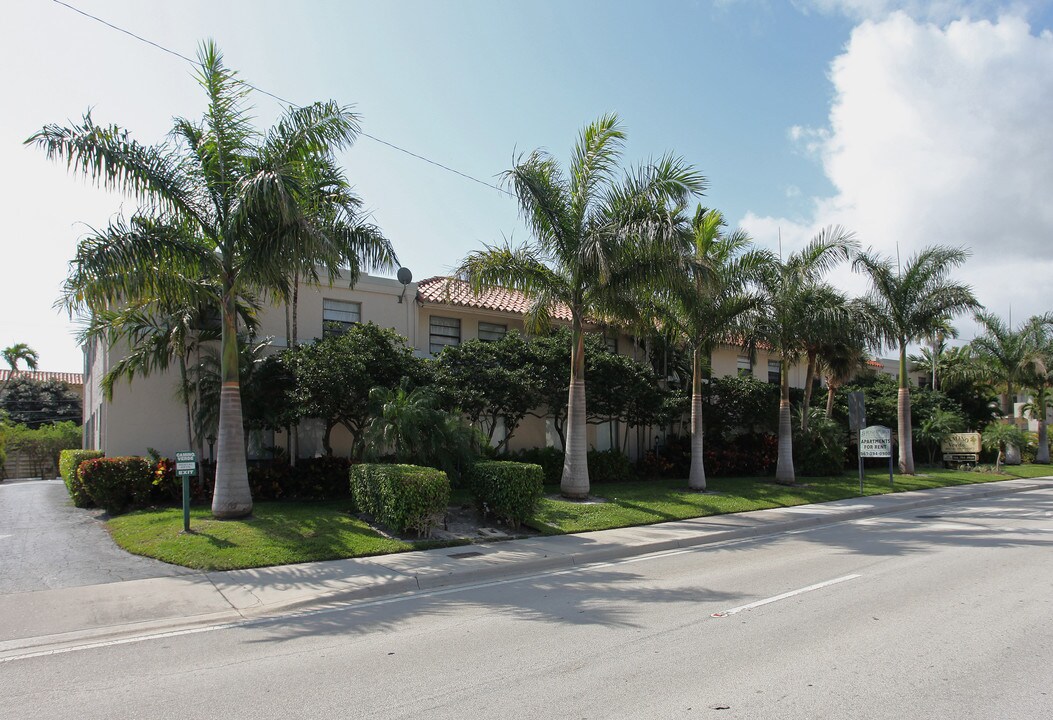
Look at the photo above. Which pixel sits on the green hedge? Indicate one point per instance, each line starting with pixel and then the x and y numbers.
pixel 69 460
pixel 610 466
pixel 117 484
pixel 401 497
pixel 508 491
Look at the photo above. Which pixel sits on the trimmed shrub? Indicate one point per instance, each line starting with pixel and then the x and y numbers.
pixel 508 491
pixel 550 460
pixel 69 461
pixel 609 466
pixel 117 484
pixel 401 497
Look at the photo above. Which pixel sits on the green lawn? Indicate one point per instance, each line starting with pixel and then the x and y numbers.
pixel 278 533
pixel 281 533
pixel 646 502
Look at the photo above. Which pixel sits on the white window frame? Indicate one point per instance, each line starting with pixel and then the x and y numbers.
pixel 744 366
pixel 776 367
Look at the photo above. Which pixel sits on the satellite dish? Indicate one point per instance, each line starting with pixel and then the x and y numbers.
pixel 404 275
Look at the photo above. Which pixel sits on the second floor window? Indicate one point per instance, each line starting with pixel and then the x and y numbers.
pixel 490 332
pixel 339 315
pixel 745 366
pixel 774 372
pixel 443 331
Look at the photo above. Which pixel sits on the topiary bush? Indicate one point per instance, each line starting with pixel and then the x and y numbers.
pixel 401 497
pixel 117 484
pixel 507 491
pixel 69 460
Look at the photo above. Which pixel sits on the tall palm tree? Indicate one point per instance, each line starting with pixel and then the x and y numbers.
pixel 907 305
pixel 843 355
pixel 14 354
pixel 222 199
pixel 796 304
pixel 712 306
pixel 820 335
pixel 595 237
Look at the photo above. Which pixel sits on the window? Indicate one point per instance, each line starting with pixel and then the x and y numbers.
pixel 339 315
pixel 745 365
pixel 444 331
pixel 612 343
pixel 489 332
pixel 774 372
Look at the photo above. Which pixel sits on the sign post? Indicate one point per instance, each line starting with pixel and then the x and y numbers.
pixel 857 420
pixel 876 441
pixel 186 468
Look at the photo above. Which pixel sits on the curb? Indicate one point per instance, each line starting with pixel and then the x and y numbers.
pixel 409 583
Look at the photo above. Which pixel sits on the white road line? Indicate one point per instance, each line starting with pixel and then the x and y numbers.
pixel 785 595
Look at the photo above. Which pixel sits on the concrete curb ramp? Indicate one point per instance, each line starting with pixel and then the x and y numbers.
pixel 51 620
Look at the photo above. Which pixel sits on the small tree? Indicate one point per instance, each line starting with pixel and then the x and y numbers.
pixel 488 382
pixel 335 375
pixel 937 427
pixel 35 403
pixel 999 436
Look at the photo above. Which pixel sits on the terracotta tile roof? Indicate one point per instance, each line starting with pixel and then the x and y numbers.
pixel 68 378
pixel 875 364
pixel 449 291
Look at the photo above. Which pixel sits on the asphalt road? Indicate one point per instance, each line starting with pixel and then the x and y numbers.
pixel 947 615
pixel 47 543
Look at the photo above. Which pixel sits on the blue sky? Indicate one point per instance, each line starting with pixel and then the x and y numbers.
pixel 782 105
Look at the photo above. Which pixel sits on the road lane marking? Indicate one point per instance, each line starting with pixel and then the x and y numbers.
pixel 785 595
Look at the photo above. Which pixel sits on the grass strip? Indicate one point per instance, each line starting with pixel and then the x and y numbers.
pixel 654 501
pixel 277 533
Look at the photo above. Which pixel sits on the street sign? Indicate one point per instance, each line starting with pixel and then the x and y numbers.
pixel 857 411
pixel 875 442
pixel 185 464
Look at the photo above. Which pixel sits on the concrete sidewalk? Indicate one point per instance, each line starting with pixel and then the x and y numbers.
pixel 50 620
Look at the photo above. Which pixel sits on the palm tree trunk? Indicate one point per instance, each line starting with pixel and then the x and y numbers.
pixel 831 390
pixel 575 481
pixel 696 479
pixel 232 497
pixel 1042 454
pixel 809 378
pixel 185 392
pixel 903 425
pixel 294 437
pixel 784 474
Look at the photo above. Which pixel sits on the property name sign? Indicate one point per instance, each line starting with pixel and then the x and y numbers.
pixel 875 442
pixel 961 443
pixel 185 464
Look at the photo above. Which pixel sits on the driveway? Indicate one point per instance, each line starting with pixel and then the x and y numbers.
pixel 47 543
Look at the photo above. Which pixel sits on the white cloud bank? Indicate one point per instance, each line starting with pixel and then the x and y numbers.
pixel 941 135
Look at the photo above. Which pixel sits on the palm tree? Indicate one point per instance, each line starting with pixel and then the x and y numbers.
pixel 907 305
pixel 14 354
pixel 796 303
pixel 820 335
pixel 1012 359
pixel 222 199
pixel 711 307
pixel 842 357
pixel 595 237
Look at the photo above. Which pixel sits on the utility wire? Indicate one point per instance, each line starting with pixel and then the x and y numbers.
pixel 280 99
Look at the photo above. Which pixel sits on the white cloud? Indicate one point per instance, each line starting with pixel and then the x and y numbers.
pixel 942 135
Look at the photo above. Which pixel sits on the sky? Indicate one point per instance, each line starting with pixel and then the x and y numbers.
pixel 909 123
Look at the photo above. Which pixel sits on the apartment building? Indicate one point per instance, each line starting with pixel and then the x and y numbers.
pixel 430 314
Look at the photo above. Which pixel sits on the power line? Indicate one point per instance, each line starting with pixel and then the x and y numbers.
pixel 280 99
